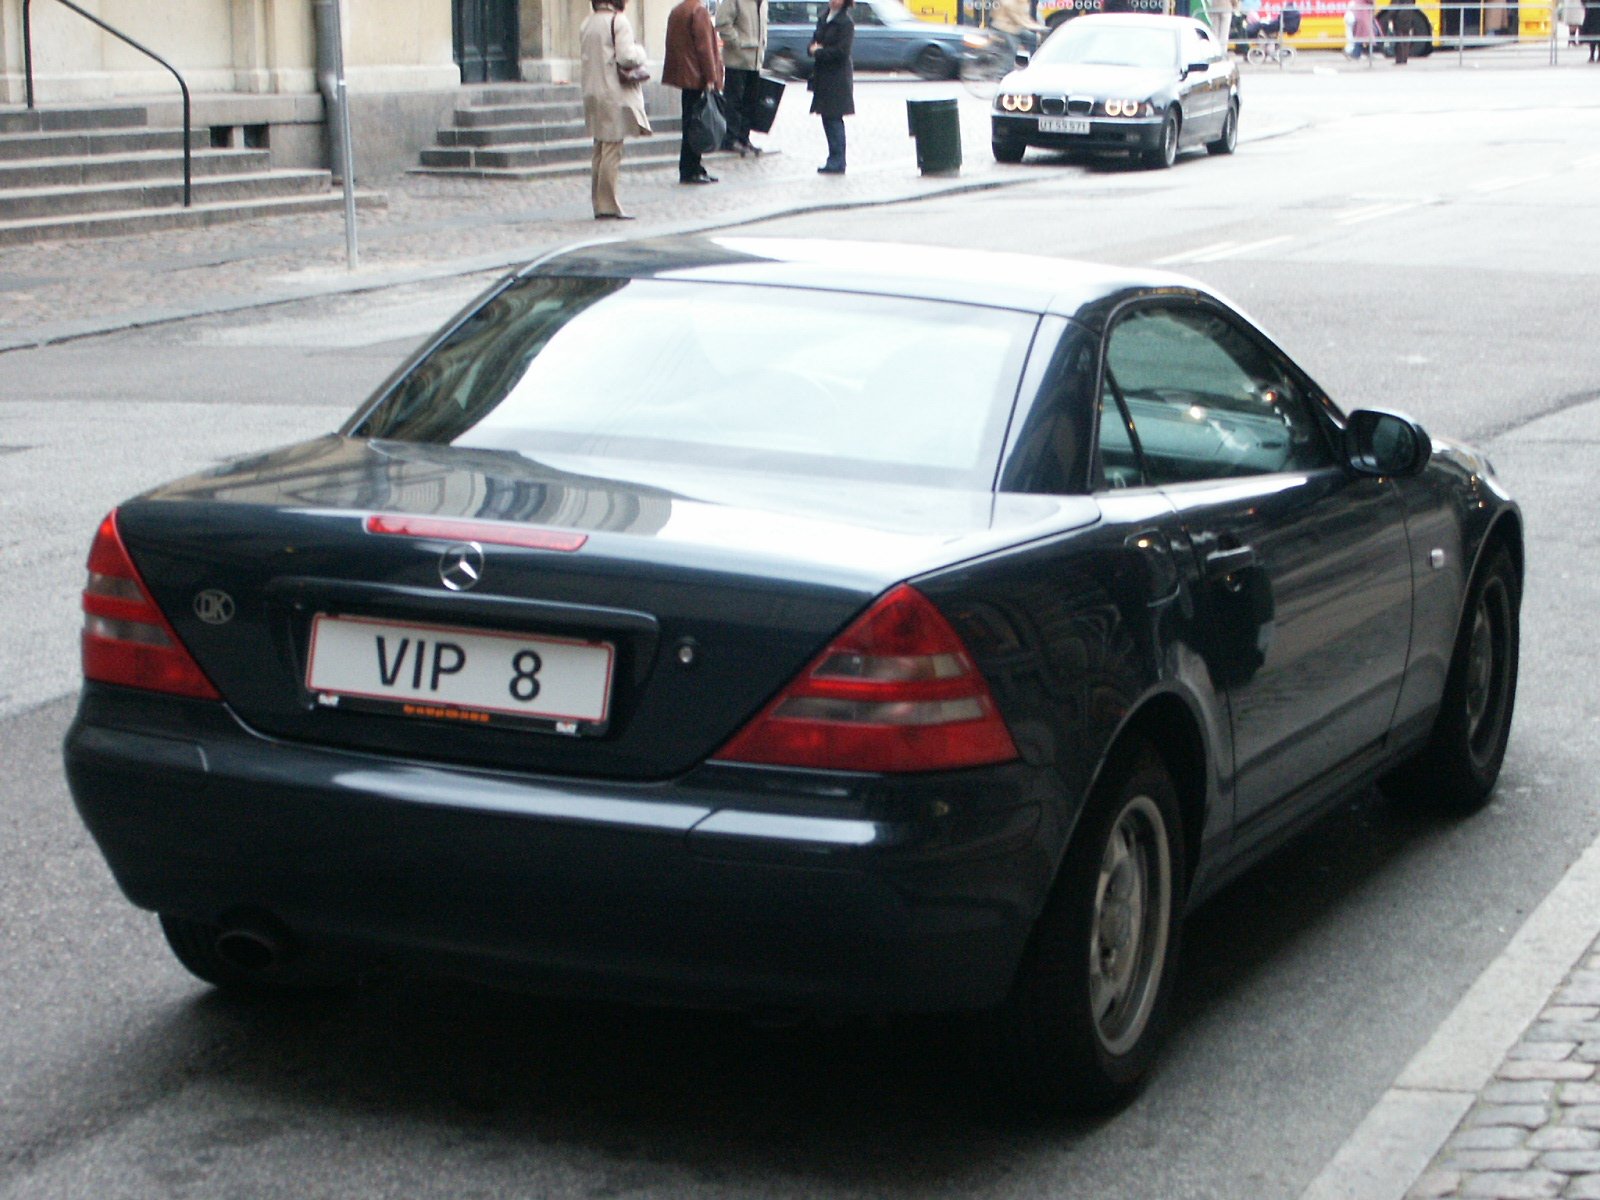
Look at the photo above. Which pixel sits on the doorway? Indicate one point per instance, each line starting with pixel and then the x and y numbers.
pixel 485 37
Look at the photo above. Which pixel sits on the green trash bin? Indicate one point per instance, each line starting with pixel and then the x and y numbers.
pixel 936 125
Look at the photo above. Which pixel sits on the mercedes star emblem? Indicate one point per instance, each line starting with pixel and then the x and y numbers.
pixel 461 566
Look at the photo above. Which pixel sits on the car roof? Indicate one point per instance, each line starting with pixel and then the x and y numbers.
pixel 1024 282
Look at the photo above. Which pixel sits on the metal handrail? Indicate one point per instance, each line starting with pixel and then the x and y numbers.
pixel 27 57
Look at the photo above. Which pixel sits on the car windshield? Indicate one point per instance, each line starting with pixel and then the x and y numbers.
pixel 1110 45
pixel 769 379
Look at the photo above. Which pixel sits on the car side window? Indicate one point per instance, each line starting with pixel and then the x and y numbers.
pixel 1208 401
pixel 863 14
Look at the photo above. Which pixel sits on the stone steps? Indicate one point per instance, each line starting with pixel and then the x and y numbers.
pixel 145 220
pixel 112 168
pixel 533 131
pixel 99 170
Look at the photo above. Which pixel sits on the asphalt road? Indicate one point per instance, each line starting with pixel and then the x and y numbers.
pixel 1414 248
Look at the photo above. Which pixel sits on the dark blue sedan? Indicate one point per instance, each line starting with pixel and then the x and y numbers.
pixel 787 625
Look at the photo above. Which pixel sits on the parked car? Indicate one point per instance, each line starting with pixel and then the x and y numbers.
pixel 936 643
pixel 888 38
pixel 1132 83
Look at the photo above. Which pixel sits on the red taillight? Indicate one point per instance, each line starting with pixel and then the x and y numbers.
pixel 896 691
pixel 126 640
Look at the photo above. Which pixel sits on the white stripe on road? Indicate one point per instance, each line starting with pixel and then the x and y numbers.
pixel 1373 211
pixel 1192 255
pixel 1246 248
pixel 1507 181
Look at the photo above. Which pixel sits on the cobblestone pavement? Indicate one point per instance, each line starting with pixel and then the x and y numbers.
pixel 50 287
pixel 1535 1129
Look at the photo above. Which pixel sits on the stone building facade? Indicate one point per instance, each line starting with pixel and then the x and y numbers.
pixel 251 64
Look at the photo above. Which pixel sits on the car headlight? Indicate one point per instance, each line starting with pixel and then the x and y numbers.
pixel 1128 108
pixel 1016 102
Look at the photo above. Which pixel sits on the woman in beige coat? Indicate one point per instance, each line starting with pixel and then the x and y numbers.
pixel 612 110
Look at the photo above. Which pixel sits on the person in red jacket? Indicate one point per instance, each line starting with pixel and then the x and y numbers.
pixel 694 64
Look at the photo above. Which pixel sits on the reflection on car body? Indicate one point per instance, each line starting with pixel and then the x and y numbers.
pixel 937 643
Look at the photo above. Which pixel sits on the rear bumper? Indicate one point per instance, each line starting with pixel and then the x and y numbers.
pixel 1105 134
pixel 729 887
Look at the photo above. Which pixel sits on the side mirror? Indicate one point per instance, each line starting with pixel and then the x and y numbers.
pixel 1022 59
pixel 1385 443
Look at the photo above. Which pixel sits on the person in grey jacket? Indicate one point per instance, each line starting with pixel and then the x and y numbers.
pixel 742 26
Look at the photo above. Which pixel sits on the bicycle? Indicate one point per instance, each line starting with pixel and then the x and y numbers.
pixel 986 59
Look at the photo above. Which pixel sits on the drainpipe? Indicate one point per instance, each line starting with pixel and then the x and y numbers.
pixel 329 71
pixel 336 103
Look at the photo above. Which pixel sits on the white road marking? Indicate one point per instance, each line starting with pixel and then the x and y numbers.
pixel 1507 181
pixel 1245 248
pixel 1192 255
pixel 1374 211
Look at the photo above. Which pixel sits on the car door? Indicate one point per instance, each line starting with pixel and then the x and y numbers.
pixel 1204 91
pixel 874 44
pixel 1303 612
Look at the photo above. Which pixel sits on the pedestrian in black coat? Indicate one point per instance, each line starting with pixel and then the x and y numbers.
pixel 833 79
pixel 1589 35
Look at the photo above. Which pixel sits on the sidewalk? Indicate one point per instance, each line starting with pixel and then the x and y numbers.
pixel 442 226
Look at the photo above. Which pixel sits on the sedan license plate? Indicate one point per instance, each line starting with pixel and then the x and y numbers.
pixel 460 674
pixel 1063 124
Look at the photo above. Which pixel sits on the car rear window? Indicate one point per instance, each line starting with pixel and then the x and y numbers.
pixel 771 379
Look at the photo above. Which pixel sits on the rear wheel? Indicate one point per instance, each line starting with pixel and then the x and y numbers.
pixel 932 63
pixel 1230 132
pixel 1165 151
pixel 1457 769
pixel 1255 55
pixel 1086 1012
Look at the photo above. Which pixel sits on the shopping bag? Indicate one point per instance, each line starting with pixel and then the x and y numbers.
pixel 708 126
pixel 762 104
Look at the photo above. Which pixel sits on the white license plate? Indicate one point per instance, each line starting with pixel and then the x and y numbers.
pixel 1063 124
pixel 438 670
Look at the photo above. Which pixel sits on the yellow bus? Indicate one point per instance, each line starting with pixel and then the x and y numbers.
pixel 1321 21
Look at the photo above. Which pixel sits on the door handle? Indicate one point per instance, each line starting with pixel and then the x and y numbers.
pixel 1229 561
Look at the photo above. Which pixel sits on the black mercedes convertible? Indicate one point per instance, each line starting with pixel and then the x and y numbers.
pixel 770 624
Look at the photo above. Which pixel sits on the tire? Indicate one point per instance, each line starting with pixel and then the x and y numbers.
pixel 1086 1013
pixel 1456 771
pixel 932 63
pixel 1285 55
pixel 1230 132
pixel 1166 153
pixel 1255 56
pixel 1008 151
